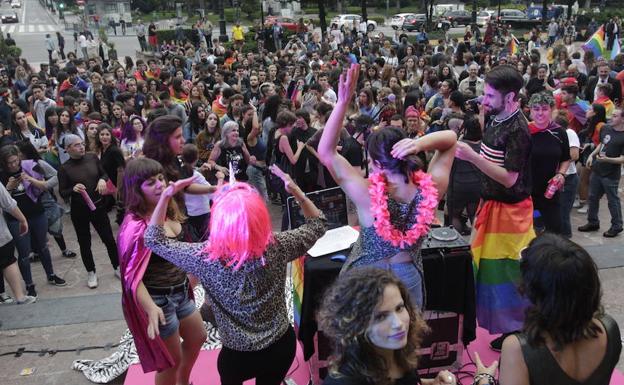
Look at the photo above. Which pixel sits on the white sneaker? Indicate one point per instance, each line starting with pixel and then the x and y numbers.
pixel 582 210
pixel 27 300
pixel 92 281
pixel 117 273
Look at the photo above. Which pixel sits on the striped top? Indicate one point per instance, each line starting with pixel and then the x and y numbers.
pixel 507 144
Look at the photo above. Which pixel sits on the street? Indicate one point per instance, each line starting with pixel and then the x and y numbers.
pixel 35 22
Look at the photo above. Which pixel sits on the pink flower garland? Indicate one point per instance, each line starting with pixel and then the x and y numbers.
pixel 425 210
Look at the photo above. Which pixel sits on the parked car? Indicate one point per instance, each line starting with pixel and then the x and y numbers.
pixel 286 22
pixel 483 17
pixel 9 17
pixel 397 20
pixel 512 14
pixel 16 4
pixel 458 17
pixel 347 20
pixel 414 22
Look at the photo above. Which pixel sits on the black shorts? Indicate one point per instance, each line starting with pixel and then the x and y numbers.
pixel 7 255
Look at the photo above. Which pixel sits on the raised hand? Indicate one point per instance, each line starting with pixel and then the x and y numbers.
pixel 348 83
pixel 405 147
pixel 176 187
pixel 289 184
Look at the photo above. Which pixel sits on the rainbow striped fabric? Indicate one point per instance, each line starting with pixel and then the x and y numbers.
pixel 502 230
pixel 297 268
pixel 596 43
pixel 513 46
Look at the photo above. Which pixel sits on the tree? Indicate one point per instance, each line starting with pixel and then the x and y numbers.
pixel 249 7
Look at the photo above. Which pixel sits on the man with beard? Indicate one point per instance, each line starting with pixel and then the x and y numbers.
pixel 253 94
pixel 504 224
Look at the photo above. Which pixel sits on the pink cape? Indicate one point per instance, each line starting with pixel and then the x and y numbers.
pixel 133 259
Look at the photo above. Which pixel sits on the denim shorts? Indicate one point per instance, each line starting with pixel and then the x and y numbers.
pixel 176 306
pixel 410 276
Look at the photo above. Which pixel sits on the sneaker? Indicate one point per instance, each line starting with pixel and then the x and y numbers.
pixel 582 210
pixel 497 343
pixel 69 254
pixel 5 299
pixel 588 227
pixel 27 300
pixel 56 280
pixel 117 273
pixel 92 281
pixel 611 233
pixel 30 290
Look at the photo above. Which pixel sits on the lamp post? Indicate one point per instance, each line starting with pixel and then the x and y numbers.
pixel 222 32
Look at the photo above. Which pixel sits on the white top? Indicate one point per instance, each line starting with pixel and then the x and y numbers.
pixel 198 204
pixel 131 148
pixel 574 142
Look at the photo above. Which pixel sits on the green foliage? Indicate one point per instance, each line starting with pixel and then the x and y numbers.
pixel 8 51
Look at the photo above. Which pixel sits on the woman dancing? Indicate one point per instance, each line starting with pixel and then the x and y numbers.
pixel 397 204
pixel 155 290
pixel 242 266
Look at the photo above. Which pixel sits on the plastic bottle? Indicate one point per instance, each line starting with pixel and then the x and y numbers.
pixel 552 188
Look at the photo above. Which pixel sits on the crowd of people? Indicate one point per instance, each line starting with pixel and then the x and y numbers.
pixel 187 147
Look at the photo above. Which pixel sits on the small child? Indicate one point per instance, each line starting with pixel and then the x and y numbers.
pixel 197 206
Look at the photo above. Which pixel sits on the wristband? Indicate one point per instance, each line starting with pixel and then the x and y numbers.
pixel 479 377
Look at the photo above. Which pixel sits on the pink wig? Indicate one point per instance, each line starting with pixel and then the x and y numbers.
pixel 240 226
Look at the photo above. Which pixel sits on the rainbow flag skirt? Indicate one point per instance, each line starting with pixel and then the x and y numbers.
pixel 502 230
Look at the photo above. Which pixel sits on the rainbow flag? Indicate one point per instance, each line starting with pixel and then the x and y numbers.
pixel 296 269
pixel 502 231
pixel 596 43
pixel 513 46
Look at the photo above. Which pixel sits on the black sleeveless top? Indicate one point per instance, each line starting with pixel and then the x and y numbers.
pixel 544 369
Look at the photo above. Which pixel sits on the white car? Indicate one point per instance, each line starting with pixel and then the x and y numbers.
pixel 16 4
pixel 347 22
pixel 483 17
pixel 397 20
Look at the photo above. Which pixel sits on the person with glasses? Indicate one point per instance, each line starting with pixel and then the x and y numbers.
pixel 82 181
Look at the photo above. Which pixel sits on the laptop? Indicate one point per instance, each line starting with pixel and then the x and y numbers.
pixel 333 203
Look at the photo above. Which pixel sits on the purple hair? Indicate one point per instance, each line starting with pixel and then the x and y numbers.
pixel 128 132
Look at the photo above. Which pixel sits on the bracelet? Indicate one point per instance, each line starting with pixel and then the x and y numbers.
pixel 479 377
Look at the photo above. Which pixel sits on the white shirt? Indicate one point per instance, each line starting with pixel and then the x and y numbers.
pixel 574 142
pixel 82 40
pixel 198 204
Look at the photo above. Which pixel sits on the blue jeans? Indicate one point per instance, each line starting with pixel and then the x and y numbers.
pixel 37 229
pixel 411 278
pixel 566 201
pixel 257 179
pixel 598 186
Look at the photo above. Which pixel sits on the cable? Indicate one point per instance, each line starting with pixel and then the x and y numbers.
pixel 22 350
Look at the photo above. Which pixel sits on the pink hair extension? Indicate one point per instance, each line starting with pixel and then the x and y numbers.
pixel 240 226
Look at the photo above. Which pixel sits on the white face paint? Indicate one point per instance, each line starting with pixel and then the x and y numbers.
pixel 389 326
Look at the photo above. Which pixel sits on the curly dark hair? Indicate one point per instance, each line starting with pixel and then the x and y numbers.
pixel 345 315
pixel 561 280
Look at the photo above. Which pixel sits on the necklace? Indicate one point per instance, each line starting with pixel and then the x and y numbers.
pixel 425 210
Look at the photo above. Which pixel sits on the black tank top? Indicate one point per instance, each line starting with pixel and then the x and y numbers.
pixel 545 370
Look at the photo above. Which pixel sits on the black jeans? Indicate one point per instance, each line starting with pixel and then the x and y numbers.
pixel 81 217
pixel 268 366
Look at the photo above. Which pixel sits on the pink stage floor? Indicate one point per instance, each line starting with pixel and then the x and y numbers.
pixel 205 370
